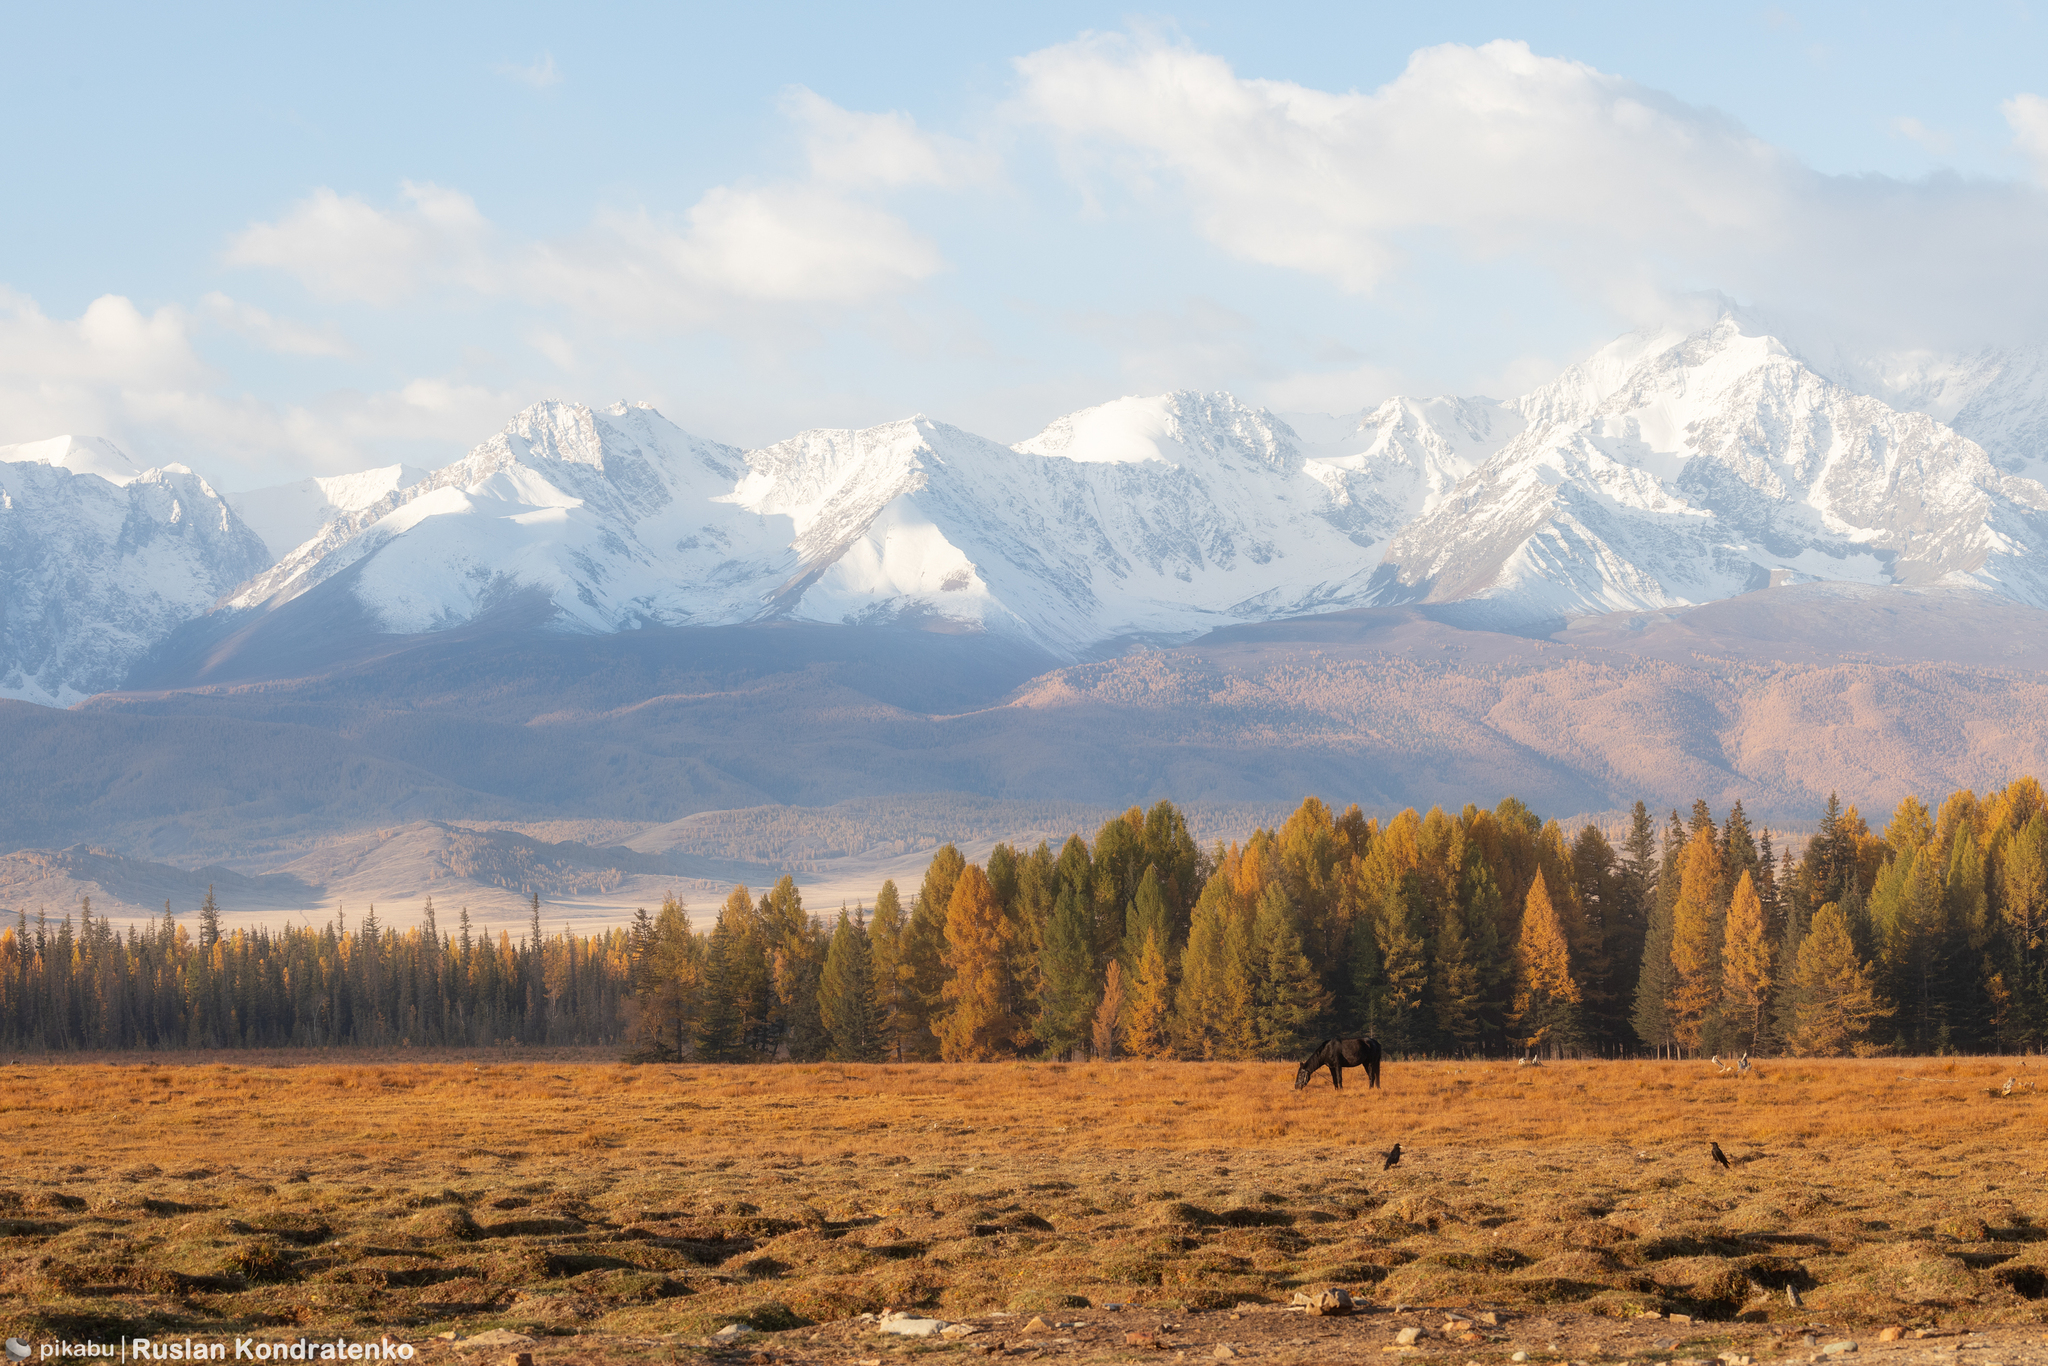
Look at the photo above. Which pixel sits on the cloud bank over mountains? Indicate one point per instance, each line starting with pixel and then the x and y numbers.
pixel 977 265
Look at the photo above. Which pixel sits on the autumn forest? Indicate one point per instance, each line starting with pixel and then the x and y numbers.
pixel 1487 932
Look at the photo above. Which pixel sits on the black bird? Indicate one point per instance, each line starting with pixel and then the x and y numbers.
pixel 1393 1156
pixel 1719 1156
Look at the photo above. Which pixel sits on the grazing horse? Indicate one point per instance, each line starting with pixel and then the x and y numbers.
pixel 1338 1054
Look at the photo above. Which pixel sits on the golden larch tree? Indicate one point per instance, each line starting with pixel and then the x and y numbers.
pixel 1109 1012
pixel 1546 1000
pixel 1746 963
pixel 980 1021
pixel 1148 1008
pixel 1696 933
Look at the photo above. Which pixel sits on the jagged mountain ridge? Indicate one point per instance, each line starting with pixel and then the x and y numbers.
pixel 1686 469
pixel 100 560
pixel 1193 512
pixel 1667 469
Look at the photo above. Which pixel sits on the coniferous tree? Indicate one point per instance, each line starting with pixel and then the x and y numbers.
pixel 1637 887
pixel 671 985
pixel 1696 934
pixel 1739 852
pixel 1746 967
pixel 2022 883
pixel 639 935
pixel 1828 863
pixel 1601 935
pixel 1109 1013
pixel 1147 917
pixel 1148 1008
pixel 1456 987
pixel 892 974
pixel 922 966
pixel 1369 979
pixel 1835 998
pixel 732 1017
pixel 1767 885
pixel 1212 1009
pixel 846 993
pixel 209 921
pixel 1403 967
pixel 1970 922
pixel 795 944
pixel 1545 1013
pixel 1288 993
pixel 1068 973
pixel 980 1020
pixel 1655 981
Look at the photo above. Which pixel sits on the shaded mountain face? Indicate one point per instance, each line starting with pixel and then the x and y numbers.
pixel 99 561
pixel 1665 470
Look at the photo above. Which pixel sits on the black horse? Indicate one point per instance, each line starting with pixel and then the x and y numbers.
pixel 1338 1054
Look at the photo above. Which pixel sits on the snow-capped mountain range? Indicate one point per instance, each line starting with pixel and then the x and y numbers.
pixel 1666 470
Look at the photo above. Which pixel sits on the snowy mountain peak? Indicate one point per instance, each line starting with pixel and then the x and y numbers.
pixel 1179 428
pixel 78 454
pixel 1675 470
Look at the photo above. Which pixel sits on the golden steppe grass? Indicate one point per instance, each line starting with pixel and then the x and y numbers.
pixel 556 1194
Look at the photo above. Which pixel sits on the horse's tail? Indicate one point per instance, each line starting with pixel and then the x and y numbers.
pixel 1372 1064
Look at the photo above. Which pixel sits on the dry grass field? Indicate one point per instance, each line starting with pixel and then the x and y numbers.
pixel 641 1208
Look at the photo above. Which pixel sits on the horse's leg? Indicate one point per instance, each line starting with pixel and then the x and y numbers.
pixel 1337 1074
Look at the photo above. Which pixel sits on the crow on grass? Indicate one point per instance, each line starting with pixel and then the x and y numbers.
pixel 1718 1155
pixel 1393 1156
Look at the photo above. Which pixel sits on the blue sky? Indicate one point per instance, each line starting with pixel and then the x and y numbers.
pixel 270 243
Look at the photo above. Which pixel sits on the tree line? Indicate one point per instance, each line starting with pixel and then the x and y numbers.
pixel 86 985
pixel 1487 932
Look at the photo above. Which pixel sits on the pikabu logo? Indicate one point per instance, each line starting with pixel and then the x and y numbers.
pixel 17 1350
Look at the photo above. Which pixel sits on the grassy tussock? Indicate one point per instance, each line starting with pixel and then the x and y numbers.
pixel 558 1196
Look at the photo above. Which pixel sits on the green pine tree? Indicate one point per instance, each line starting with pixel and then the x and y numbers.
pixel 1289 998
pixel 1067 973
pixel 846 993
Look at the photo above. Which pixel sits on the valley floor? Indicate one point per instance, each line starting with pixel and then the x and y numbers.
pixel 624 1213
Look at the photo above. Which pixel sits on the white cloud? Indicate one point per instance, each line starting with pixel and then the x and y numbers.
pixel 342 248
pixel 540 75
pixel 1919 134
pixel 735 249
pixel 111 343
pixel 1625 194
pixel 272 333
pixel 2028 117
pixel 116 371
pixel 850 148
